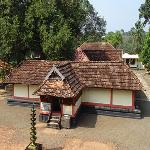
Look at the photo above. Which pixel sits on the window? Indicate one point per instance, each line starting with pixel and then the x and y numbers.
pixel 127 61
pixel 132 61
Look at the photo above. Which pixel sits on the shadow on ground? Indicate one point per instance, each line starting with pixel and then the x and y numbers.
pixel 87 120
pixel 145 108
pixel 143 102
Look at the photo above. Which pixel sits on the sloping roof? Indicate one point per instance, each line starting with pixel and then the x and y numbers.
pixel 104 74
pixel 77 75
pixel 97 46
pixel 66 87
pixel 31 72
pixel 98 51
pixel 132 56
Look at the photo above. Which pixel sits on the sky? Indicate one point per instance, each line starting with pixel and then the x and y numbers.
pixel 119 14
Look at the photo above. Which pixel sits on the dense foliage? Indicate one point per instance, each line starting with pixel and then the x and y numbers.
pixel 145 55
pixel 145 14
pixel 138 35
pixel 128 42
pixel 115 38
pixel 49 28
pixel 131 41
pixel 145 11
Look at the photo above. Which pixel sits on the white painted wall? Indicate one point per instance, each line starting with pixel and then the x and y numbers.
pixel 137 64
pixel 67 109
pixel 77 105
pixel 122 97
pixel 45 107
pixel 140 65
pixel 96 95
pixel 21 90
pixel 32 89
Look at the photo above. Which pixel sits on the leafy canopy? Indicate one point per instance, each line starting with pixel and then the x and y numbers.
pixel 50 29
pixel 115 38
pixel 146 51
pixel 145 11
pixel 138 35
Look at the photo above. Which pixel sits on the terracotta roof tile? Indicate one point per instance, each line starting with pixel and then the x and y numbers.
pixel 77 75
pixel 97 46
pixel 98 51
pixel 30 71
pixel 106 74
pixel 54 86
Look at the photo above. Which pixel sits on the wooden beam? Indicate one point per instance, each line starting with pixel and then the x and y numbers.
pixel 55 70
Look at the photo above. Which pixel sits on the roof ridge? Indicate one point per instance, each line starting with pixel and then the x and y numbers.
pixel 120 61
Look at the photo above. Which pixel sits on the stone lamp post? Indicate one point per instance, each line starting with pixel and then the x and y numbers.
pixel 33 145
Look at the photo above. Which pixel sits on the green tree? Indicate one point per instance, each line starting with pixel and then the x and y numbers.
pixel 145 11
pixel 49 28
pixel 12 31
pixel 138 35
pixel 127 42
pixel 115 38
pixel 145 55
pixel 94 27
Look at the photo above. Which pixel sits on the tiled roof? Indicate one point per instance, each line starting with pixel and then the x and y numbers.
pixel 77 75
pixel 31 72
pixel 97 46
pixel 98 51
pixel 104 74
pixel 70 86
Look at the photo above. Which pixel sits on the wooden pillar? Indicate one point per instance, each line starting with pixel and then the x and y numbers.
pixel 133 100
pixel 111 98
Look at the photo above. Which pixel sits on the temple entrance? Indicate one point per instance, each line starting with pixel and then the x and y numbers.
pixel 56 105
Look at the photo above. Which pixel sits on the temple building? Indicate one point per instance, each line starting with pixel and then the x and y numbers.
pixel 97 78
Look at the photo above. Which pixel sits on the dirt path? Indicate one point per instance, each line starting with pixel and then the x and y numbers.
pixel 78 144
pixel 7 140
pixel 15 130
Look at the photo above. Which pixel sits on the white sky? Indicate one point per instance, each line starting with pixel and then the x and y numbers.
pixel 119 14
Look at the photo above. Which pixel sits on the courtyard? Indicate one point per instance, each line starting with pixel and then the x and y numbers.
pixel 92 132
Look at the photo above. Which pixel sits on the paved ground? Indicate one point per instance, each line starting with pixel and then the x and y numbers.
pixel 94 132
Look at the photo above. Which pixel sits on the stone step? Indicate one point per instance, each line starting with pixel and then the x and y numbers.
pixel 53 125
pixel 55 117
pixel 54 120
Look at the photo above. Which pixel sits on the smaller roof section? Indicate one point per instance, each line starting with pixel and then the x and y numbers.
pixel 31 72
pixel 128 56
pixel 97 46
pixel 61 81
pixel 115 75
pixel 98 51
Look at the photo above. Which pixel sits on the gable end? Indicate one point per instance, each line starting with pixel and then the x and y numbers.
pixel 54 70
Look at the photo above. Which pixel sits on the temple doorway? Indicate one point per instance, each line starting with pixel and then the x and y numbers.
pixel 56 105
